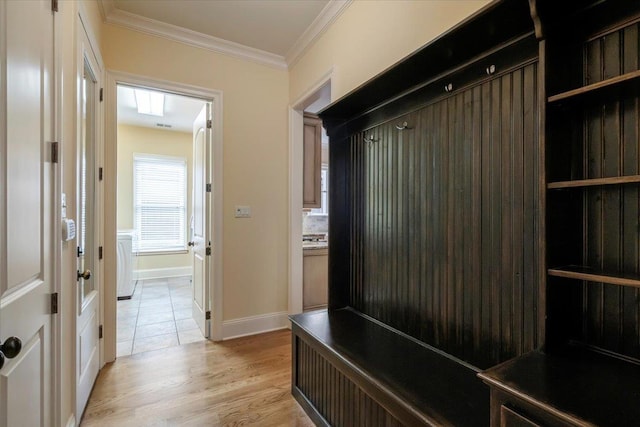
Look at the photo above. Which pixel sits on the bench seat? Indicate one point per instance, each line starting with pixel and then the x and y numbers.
pixel 352 370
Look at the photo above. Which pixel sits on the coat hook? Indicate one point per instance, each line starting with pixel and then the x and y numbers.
pixel 491 69
pixel 448 87
pixel 369 139
pixel 404 126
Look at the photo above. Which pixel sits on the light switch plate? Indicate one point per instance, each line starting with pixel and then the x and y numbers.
pixel 243 211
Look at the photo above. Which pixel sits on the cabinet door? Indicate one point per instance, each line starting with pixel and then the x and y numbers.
pixel 312 141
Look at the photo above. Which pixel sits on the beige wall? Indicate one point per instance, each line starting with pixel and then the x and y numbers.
pixel 255 252
pixel 370 36
pixel 142 140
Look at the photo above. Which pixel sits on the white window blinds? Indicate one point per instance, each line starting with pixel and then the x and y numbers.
pixel 160 199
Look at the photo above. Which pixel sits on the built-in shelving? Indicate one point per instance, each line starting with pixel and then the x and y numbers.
pixel 594 182
pixel 595 275
pixel 624 79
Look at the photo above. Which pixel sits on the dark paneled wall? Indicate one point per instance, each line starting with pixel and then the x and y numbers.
pixel 443 220
pixel 335 397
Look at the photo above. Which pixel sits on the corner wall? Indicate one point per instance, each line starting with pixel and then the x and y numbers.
pixel 370 36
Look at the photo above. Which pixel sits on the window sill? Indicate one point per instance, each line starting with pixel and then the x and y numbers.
pixel 170 252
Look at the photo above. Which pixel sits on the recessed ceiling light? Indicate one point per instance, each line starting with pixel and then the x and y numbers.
pixel 151 103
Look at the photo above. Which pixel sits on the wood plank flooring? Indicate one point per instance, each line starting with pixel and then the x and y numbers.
pixel 246 381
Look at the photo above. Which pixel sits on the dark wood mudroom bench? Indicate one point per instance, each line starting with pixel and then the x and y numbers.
pixel 574 387
pixel 408 383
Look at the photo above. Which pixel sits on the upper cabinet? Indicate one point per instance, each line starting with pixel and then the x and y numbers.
pixel 312 140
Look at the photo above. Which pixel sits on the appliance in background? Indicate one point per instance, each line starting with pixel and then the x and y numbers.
pixel 126 281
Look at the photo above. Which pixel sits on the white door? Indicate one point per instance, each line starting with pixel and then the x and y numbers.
pixel 26 211
pixel 88 301
pixel 201 238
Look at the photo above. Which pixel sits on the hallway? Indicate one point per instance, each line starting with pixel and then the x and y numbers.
pixel 246 381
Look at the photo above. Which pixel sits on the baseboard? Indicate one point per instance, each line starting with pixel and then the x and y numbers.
pixel 71 422
pixel 253 325
pixel 161 273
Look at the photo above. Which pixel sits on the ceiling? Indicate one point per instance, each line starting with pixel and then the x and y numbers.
pixel 179 111
pixel 274 31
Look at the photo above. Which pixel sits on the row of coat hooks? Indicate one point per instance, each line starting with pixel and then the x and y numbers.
pixel 490 70
pixel 402 126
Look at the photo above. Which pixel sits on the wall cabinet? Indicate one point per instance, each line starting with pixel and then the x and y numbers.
pixel 315 280
pixel 312 169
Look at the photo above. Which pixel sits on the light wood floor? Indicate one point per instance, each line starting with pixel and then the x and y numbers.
pixel 246 381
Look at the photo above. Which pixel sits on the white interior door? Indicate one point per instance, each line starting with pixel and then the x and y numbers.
pixel 88 320
pixel 201 238
pixel 26 211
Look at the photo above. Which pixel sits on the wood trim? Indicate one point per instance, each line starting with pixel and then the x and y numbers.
pixel 593 275
pixel 632 77
pixel 616 180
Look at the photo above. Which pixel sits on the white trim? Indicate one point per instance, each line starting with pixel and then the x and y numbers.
pixel 161 273
pixel 193 38
pixel 318 27
pixel 71 422
pixel 252 325
pixel 216 98
pixel 295 190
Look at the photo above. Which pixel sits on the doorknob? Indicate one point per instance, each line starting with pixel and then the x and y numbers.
pixel 11 348
pixel 191 243
pixel 86 275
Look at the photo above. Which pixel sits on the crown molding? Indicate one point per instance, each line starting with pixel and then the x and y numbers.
pixel 139 23
pixel 318 27
pixel 106 7
pixel 328 15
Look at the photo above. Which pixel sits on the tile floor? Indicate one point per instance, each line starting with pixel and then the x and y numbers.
pixel 157 316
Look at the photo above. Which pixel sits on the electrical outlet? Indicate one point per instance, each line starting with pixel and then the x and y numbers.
pixel 243 211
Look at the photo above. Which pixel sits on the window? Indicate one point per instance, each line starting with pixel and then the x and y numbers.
pixel 160 200
pixel 324 193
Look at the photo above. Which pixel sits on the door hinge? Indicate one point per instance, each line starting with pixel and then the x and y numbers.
pixel 101 94
pixel 209 124
pixel 54 303
pixel 54 5
pixel 207 315
pixel 208 188
pixel 54 152
pixel 100 332
pixel 100 173
pixel 208 251
pixel 99 252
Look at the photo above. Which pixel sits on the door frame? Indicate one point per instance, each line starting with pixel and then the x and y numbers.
pixel 296 159
pixel 114 78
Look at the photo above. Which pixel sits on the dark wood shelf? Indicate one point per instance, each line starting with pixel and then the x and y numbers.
pixel 628 78
pixel 594 275
pixel 594 182
pixel 577 386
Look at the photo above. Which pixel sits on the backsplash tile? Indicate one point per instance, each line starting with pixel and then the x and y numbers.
pixel 315 223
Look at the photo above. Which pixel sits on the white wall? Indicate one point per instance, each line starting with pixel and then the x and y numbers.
pixel 255 249
pixel 370 36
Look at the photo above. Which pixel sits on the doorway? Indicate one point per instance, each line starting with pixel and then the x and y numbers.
pixel 155 207
pixel 315 99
